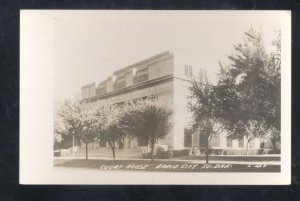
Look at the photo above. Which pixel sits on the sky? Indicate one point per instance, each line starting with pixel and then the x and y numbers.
pixel 89 47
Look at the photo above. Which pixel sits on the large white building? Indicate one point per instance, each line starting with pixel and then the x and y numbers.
pixel 166 77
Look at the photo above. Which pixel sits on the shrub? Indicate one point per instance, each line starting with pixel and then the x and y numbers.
pixel 260 151
pixel 274 151
pixel 240 151
pixel 164 154
pixel 181 152
pixel 146 155
pixel 160 154
pixel 159 150
pixel 216 151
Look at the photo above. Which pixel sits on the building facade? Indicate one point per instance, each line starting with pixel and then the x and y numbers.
pixel 165 77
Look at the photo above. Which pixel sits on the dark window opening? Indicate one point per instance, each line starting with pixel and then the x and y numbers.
pixel 186 70
pixel 228 142
pixel 187 137
pixel 101 91
pixel 121 144
pixel 119 83
pixel 190 71
pixel 102 142
pixel 241 142
pixel 141 76
pixel 203 139
pixel 142 142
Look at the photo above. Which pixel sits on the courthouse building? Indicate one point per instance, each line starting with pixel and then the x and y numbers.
pixel 165 77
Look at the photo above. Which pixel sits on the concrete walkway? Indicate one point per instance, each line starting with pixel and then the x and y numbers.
pixel 198 161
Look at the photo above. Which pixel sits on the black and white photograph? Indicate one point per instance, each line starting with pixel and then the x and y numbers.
pixel 155 97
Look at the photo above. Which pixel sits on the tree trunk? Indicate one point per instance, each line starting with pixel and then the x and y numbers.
pixel 151 153
pixel 86 151
pixel 114 154
pixel 113 150
pixel 207 147
pixel 129 142
pixel 112 146
pixel 247 146
pixel 273 144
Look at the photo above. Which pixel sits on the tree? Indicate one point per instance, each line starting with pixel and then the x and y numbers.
pixel 153 122
pixel 78 120
pixel 202 105
pixel 67 122
pixel 129 120
pixel 248 90
pixel 112 132
pixel 101 113
pixel 88 122
pixel 59 132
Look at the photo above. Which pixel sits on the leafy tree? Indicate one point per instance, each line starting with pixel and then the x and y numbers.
pixel 67 122
pixel 112 132
pixel 203 107
pixel 274 79
pixel 76 121
pixel 101 113
pixel 59 132
pixel 129 120
pixel 248 90
pixel 88 122
pixel 153 122
pixel 246 100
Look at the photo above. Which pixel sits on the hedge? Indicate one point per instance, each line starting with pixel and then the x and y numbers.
pixel 162 154
pixel 240 151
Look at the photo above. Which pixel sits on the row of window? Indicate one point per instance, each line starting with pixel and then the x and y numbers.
pixel 140 76
pixel 100 91
pixel 141 142
pixel 120 82
pixel 188 71
pixel 215 141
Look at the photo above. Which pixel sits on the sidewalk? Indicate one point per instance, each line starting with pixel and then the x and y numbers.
pixel 194 161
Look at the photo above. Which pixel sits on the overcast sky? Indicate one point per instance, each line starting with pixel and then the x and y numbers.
pixel 88 47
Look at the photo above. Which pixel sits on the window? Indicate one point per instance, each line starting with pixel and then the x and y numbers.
pixel 121 144
pixel 102 142
pixel 216 141
pixel 187 137
pixel 190 71
pixel 202 139
pixel 186 70
pixel 142 142
pixel 101 90
pixel 241 142
pixel 229 142
pixel 141 75
pixel 120 83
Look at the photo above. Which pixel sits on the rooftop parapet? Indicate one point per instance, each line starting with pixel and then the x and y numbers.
pixel 89 85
